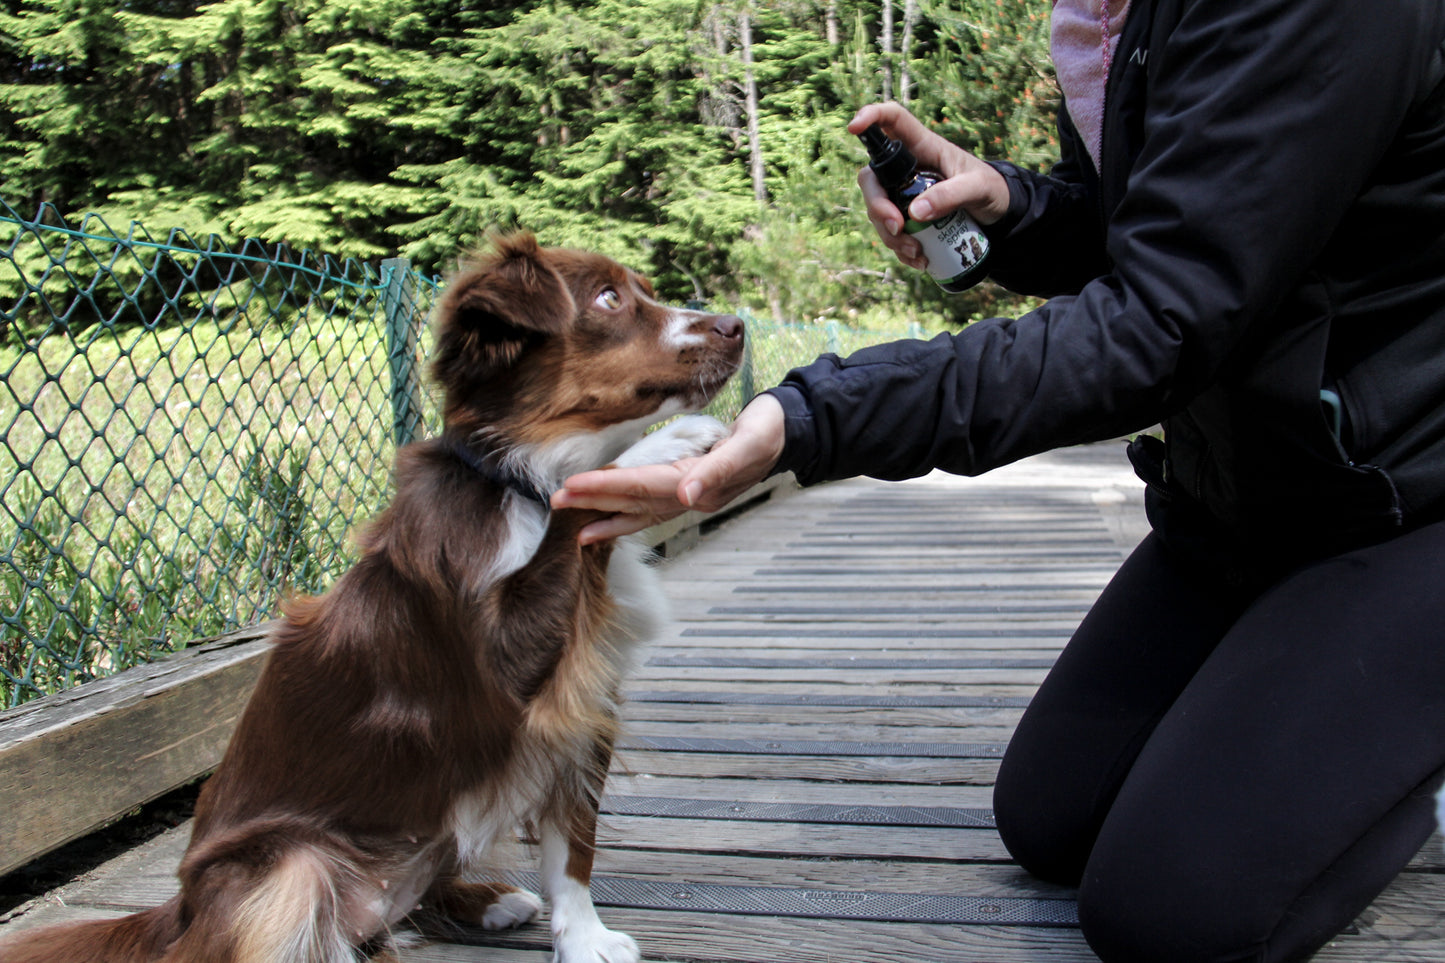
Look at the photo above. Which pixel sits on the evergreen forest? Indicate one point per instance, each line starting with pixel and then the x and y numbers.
pixel 701 141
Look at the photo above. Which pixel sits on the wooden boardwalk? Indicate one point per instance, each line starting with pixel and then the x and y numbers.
pixel 807 768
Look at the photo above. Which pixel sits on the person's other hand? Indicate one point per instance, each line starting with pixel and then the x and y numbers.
pixel 638 498
pixel 968 182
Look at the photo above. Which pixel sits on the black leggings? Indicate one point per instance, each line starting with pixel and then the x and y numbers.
pixel 1234 778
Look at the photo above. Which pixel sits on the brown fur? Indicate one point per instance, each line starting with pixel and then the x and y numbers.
pixel 420 687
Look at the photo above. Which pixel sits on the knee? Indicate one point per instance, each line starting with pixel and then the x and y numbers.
pixel 1042 828
pixel 1136 912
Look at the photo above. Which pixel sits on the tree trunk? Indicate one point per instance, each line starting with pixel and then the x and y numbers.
pixel 755 150
pixel 887 42
pixel 905 83
pixel 722 101
pixel 830 19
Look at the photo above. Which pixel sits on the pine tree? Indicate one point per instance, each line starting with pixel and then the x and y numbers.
pixel 360 127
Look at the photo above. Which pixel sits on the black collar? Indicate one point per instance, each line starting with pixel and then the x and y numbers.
pixel 489 466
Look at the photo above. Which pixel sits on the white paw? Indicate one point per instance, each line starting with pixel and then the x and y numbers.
pixel 595 945
pixel 683 438
pixel 512 909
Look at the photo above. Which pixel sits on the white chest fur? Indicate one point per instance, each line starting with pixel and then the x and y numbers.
pixel 636 592
pixel 638 614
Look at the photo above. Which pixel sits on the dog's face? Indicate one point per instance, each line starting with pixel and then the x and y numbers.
pixel 535 344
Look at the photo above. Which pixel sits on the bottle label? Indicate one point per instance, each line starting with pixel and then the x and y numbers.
pixel 953 245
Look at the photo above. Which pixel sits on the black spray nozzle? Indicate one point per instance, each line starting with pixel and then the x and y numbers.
pixel 890 160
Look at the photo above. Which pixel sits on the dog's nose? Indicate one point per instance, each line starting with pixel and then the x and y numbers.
pixel 728 327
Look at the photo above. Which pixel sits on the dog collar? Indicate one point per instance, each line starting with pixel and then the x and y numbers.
pixel 487 465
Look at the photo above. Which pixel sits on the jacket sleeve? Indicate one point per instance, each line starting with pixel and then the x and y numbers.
pixel 1263 123
pixel 1051 241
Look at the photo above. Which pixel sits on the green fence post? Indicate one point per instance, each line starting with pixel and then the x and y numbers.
pixel 401 335
pixel 745 373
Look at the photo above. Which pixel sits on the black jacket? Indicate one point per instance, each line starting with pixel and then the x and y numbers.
pixel 1268 223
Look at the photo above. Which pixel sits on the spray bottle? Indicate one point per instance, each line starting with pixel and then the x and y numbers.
pixel 954 245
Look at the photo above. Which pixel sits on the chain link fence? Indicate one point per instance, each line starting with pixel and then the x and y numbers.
pixel 189 430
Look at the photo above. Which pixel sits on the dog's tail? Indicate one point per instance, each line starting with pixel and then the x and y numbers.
pixel 140 938
pixel 294 903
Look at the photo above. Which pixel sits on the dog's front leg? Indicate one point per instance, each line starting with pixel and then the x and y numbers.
pixel 568 845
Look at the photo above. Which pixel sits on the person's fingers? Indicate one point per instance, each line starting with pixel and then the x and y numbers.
pixel 884 214
pixel 638 489
pixel 888 221
pixel 897 122
pixel 615 526
pixel 635 498
pixel 930 149
pixel 981 191
pixel 968 182
pixel 643 496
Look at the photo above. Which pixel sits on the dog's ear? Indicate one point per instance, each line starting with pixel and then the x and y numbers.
pixel 494 308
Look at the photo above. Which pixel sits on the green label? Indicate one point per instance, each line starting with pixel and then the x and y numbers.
pixel 953 245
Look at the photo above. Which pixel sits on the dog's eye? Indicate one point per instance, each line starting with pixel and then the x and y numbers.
pixel 609 299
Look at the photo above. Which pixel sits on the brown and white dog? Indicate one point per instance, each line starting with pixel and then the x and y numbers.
pixel 463 677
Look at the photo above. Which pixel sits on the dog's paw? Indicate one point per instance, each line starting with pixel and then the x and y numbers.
pixel 684 438
pixel 512 909
pixel 595 945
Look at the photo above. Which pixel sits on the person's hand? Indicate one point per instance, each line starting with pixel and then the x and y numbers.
pixel 968 182
pixel 638 498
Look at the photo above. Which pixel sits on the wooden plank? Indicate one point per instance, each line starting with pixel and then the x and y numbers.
pixel 796 790
pixel 814 612
pixel 53 914
pixel 895 716
pixel 893 876
pixel 794 627
pixel 998 734
pixel 654 676
pixel 733 939
pixel 878 769
pixel 71 763
pixel 860 648
pixel 1409 911
pixel 453 953
pixel 885 687
pixel 854 640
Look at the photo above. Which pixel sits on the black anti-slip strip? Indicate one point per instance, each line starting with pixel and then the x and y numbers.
pixel 903 528
pixel 667 807
pixel 897 590
pixel 1104 568
pixel 1062 608
pixel 830 699
pixel 882 631
pixel 812 747
pixel 1052 547
pixel 620 891
pixel 748 662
